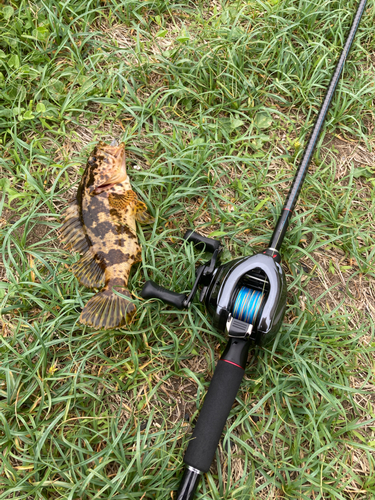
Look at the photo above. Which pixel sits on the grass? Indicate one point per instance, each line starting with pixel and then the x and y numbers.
pixel 214 101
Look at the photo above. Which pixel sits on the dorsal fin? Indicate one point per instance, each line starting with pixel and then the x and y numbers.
pixel 87 270
pixel 72 232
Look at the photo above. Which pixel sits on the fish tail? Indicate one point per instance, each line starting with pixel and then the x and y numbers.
pixel 108 310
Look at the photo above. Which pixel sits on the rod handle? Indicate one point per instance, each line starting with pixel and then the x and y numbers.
pixel 213 416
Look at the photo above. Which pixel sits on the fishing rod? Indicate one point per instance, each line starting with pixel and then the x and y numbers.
pixel 246 298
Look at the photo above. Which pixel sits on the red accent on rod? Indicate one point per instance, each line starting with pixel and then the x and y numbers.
pixel 287 209
pixel 231 362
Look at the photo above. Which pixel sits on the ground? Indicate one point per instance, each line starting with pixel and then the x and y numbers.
pixel 214 101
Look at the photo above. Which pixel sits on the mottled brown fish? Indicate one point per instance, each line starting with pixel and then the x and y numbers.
pixel 101 225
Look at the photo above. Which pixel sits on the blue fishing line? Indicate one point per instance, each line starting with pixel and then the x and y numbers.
pixel 247 304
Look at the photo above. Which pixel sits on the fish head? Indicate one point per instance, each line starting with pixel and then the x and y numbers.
pixel 106 167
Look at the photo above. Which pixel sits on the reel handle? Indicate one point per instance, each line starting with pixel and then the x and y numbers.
pixel 201 242
pixel 151 290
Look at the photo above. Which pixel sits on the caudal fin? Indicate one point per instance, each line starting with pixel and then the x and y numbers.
pixel 107 310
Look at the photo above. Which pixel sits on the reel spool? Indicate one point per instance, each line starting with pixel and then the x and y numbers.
pixel 248 305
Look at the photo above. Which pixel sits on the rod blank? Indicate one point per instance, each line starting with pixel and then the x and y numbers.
pixel 283 222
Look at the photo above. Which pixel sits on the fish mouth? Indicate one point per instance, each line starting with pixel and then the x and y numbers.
pixel 103 187
pixel 115 149
pixel 117 153
pixel 117 174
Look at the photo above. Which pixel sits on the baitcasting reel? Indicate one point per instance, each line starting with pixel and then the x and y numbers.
pixel 246 297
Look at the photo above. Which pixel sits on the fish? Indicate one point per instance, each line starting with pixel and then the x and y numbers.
pixel 100 224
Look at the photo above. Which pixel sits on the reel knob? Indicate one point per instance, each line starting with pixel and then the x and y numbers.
pixel 153 291
pixel 201 242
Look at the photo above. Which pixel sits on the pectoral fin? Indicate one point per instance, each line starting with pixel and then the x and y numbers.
pixel 141 214
pixel 122 201
pixel 129 199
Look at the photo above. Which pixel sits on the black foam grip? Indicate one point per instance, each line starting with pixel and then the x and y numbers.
pixel 201 242
pixel 214 413
pixel 151 290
